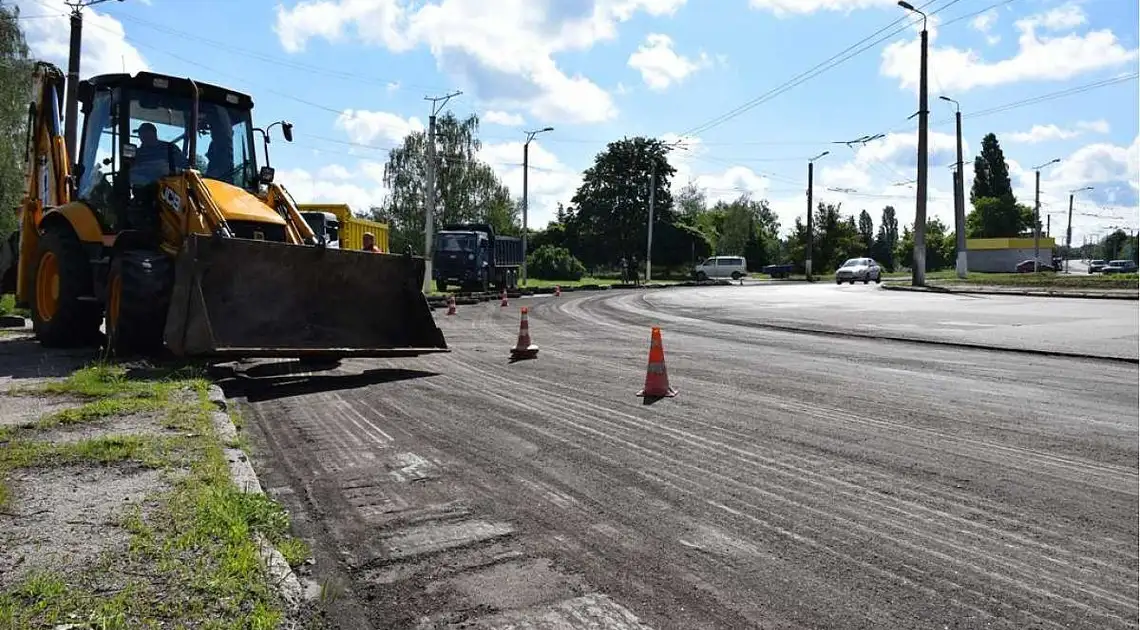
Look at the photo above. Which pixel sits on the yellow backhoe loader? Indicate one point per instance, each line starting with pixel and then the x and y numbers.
pixel 165 231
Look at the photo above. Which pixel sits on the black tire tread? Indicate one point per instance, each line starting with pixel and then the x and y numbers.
pixel 146 291
pixel 76 323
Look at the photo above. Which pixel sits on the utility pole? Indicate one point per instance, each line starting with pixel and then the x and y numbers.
pixel 649 232
pixel 1069 229
pixel 918 273
pixel 810 236
pixel 71 108
pixel 437 103
pixel 1037 213
pixel 959 196
pixel 526 203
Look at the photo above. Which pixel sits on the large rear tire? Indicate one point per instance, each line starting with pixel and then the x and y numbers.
pixel 138 298
pixel 61 277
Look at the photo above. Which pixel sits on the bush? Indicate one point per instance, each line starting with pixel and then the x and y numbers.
pixel 554 263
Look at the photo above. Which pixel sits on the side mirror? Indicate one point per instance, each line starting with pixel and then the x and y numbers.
pixel 287 130
pixel 266 175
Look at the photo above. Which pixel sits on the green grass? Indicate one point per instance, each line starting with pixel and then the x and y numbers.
pixel 8 306
pixel 1029 280
pixel 192 559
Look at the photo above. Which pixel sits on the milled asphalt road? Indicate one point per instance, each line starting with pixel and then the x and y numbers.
pixel 796 481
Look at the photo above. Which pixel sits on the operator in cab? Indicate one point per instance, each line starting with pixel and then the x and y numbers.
pixel 153 158
pixel 370 243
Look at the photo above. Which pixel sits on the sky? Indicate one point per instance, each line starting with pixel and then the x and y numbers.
pixel 750 90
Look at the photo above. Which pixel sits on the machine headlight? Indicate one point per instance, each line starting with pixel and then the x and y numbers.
pixel 470 256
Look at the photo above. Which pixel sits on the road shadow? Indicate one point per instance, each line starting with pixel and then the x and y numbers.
pixel 23 357
pixel 239 384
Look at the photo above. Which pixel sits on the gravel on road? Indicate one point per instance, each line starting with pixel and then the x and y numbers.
pixel 794 482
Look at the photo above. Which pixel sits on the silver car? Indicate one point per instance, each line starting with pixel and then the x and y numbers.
pixel 865 269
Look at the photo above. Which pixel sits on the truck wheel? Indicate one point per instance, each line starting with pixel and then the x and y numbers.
pixel 736 275
pixel 62 275
pixel 441 286
pixel 138 297
pixel 702 276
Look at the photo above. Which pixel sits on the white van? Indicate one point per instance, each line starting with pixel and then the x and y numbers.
pixel 734 267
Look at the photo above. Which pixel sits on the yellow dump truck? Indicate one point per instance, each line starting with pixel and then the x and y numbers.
pixel 341 227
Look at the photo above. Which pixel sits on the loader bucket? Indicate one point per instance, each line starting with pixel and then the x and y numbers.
pixel 246 298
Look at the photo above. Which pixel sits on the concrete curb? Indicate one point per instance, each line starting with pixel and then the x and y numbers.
pixel 245 478
pixel 1086 295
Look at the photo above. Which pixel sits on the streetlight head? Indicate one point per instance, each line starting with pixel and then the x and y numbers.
pixel 548 129
pixel 946 98
pixel 906 5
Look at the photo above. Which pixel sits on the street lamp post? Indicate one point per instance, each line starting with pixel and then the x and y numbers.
pixel 71 113
pixel 526 167
pixel 1037 213
pixel 918 274
pixel 807 250
pixel 959 195
pixel 1069 229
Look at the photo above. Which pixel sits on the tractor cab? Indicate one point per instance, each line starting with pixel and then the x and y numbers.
pixel 138 135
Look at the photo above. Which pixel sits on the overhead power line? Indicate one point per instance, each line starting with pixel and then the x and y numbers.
pixel 844 55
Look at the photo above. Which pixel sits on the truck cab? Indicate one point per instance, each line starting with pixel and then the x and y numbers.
pixel 326 226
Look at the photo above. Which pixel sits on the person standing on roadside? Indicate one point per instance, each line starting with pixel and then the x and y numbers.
pixel 624 270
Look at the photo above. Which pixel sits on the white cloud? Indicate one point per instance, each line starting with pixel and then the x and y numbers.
pixel 1039 57
pixel 803 7
pixel 1043 133
pixel 365 127
pixel 660 66
pixel 549 181
pixel 984 23
pixel 503 58
pixel 105 49
pixel 360 189
pixel 502 118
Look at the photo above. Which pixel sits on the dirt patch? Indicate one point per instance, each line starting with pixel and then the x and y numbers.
pixel 67 519
pixel 146 424
pixel 20 410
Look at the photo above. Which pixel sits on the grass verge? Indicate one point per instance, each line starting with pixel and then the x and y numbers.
pixel 192 559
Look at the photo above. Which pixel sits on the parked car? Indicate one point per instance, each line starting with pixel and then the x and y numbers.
pixel 865 269
pixel 733 267
pixel 778 271
pixel 1096 266
pixel 1026 266
pixel 1119 266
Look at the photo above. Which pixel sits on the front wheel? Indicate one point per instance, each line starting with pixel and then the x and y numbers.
pixel 736 275
pixel 702 276
pixel 878 278
pixel 61 316
pixel 138 296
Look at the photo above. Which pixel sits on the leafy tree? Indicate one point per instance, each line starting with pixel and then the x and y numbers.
pixel 991 173
pixel 691 200
pixel 836 238
pixel 866 232
pixel 468 190
pixel 15 86
pixel 998 217
pixel 554 263
pixel 679 244
pixel 613 199
pixel 940 246
pixel 886 239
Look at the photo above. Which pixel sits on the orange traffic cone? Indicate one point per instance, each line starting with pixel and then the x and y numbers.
pixel 656 378
pixel 524 349
pixel 451 305
pixel 503 298
pixel 557 291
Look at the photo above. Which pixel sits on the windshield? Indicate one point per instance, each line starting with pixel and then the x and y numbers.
pixel 854 262
pixel 456 243
pixel 158 128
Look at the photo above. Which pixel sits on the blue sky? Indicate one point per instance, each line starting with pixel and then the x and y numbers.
pixel 352 76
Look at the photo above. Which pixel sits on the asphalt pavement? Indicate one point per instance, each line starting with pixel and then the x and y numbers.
pixel 796 481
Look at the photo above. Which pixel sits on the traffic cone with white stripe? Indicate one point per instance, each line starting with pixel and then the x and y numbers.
pixel 557 291
pixel 524 349
pixel 451 305
pixel 503 298
pixel 656 378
